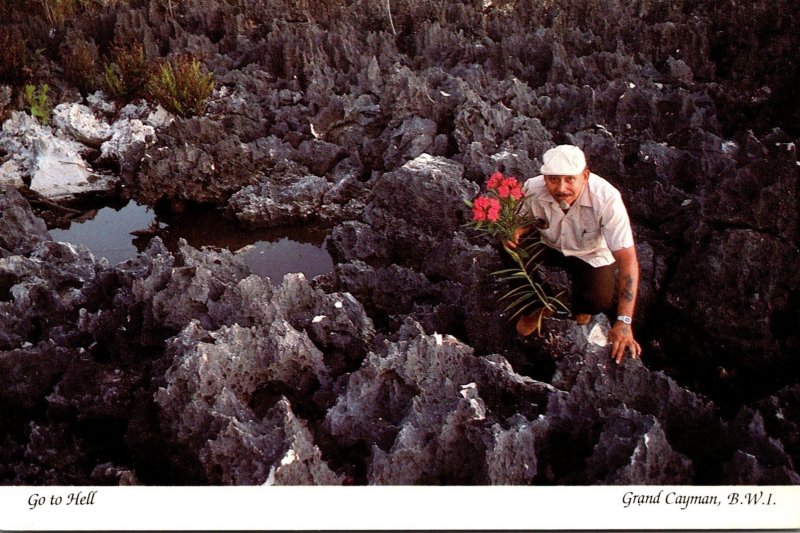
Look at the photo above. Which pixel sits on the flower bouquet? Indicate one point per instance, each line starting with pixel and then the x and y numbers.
pixel 497 212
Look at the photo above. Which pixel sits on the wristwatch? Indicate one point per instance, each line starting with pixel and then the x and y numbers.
pixel 625 319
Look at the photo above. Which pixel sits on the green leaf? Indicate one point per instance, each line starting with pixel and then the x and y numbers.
pixel 518 302
pixel 521 310
pixel 512 293
pixel 504 271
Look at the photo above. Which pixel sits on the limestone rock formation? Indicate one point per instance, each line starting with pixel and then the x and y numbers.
pixel 49 165
pixel 78 121
pixel 420 408
pixel 20 230
pixel 291 200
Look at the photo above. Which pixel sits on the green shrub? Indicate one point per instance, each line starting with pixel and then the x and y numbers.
pixel 126 75
pixel 37 102
pixel 181 86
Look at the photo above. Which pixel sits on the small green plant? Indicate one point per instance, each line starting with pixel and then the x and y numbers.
pixel 181 86
pixel 125 75
pixel 37 102
pixel 112 81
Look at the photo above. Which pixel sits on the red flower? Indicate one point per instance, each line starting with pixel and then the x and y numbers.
pixel 509 187
pixel 493 213
pixel 486 208
pixel 494 180
pixel 514 188
pixel 497 211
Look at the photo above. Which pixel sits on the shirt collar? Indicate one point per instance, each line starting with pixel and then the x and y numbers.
pixel 585 197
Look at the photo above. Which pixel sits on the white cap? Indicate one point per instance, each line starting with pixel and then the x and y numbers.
pixel 563 160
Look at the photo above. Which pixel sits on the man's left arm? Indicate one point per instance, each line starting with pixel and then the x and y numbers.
pixel 621 334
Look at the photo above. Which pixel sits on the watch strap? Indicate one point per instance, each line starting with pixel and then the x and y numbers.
pixel 625 319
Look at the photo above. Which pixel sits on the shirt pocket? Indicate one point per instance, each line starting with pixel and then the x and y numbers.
pixel 591 239
pixel 591 233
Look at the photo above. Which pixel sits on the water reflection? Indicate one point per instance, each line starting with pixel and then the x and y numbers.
pixel 273 252
pixel 119 234
pixel 108 233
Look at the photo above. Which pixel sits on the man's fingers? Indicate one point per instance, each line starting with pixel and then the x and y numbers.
pixel 618 350
pixel 636 349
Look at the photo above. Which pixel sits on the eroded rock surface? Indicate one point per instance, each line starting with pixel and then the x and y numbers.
pixel 49 165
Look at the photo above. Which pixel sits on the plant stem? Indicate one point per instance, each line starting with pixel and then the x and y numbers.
pixel 550 302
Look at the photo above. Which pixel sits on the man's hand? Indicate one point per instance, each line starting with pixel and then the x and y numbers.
pixel 621 337
pixel 512 244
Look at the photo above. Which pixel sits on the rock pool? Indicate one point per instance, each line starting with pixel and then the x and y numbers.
pixel 269 253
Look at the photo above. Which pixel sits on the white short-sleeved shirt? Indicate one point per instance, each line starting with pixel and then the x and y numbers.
pixel 595 224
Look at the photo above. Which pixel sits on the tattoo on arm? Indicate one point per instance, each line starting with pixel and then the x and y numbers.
pixel 626 290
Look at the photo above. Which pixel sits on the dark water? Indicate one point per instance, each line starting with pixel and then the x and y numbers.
pixel 270 253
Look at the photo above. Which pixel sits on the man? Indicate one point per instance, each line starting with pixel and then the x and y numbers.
pixel 582 220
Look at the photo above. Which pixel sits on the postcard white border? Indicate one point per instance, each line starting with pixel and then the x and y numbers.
pixel 404 508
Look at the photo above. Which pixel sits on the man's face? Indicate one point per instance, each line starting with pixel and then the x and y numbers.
pixel 566 189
